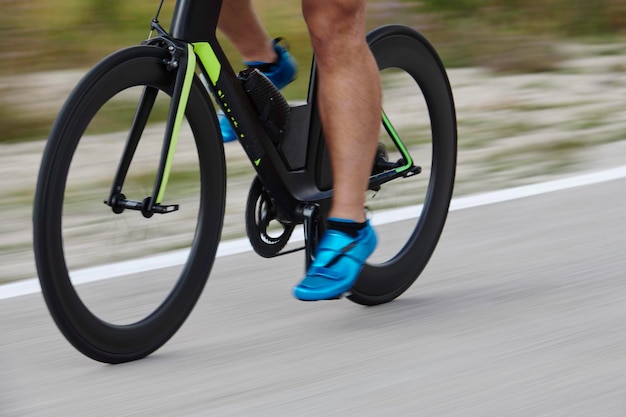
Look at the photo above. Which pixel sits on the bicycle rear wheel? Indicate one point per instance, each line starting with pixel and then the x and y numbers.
pixel 409 213
pixel 79 240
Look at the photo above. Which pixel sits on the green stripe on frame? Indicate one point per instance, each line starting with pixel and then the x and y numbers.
pixel 178 121
pixel 396 139
pixel 209 61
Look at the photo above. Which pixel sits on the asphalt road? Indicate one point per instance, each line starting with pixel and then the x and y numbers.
pixel 521 312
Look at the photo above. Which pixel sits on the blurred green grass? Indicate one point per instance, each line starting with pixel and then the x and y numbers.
pixel 503 35
pixel 53 34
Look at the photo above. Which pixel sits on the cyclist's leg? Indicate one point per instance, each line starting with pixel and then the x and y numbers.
pixel 240 24
pixel 349 100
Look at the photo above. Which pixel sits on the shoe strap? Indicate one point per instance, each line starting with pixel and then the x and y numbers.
pixel 329 247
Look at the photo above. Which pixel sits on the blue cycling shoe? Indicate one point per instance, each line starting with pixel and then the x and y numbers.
pixel 339 260
pixel 280 73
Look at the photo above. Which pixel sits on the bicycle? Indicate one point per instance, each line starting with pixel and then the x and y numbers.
pixel 167 90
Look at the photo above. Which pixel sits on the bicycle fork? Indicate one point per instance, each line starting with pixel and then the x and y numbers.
pixel 185 63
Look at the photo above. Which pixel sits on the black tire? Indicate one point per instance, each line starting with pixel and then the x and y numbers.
pixel 94 317
pixel 417 88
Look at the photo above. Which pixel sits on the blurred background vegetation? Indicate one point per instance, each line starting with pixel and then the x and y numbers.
pixel 503 35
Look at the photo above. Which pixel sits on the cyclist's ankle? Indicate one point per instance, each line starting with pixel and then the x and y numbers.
pixel 280 72
pixel 347 226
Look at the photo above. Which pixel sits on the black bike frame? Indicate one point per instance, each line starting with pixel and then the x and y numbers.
pixel 292 172
pixel 296 172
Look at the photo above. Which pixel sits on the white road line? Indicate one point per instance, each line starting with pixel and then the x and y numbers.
pixel 232 247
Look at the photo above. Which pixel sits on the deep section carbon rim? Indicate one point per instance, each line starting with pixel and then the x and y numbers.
pixel 78 237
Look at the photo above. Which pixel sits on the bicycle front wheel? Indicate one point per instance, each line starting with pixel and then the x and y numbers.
pixel 119 283
pixel 409 213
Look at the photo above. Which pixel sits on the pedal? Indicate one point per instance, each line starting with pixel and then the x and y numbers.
pixel 164 209
pixel 119 203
